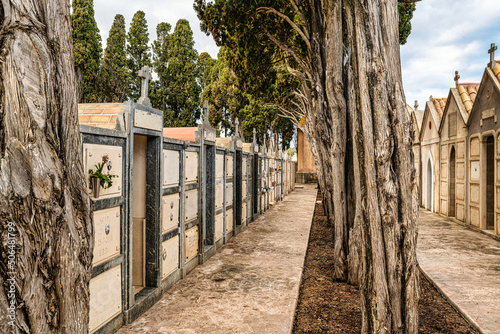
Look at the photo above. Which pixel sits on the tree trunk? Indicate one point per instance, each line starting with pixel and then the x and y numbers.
pixel 44 206
pixel 358 119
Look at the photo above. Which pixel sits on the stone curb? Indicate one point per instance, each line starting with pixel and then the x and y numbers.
pixel 462 313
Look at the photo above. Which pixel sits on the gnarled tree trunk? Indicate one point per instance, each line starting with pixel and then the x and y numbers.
pixel 46 224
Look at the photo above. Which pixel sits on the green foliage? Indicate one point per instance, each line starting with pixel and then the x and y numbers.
pixel 106 180
pixel 205 65
pixel 87 49
pixel 157 90
pixel 179 78
pixel 137 52
pixel 115 78
pixel 405 15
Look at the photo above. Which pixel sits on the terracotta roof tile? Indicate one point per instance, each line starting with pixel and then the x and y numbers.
pixel 180 133
pixel 468 93
pixel 102 115
pixel 439 104
pixel 496 70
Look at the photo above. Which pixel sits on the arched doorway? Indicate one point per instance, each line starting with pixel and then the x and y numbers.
pixel 451 210
pixel 429 185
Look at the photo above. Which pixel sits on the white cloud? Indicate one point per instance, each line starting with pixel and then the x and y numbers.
pixel 447 36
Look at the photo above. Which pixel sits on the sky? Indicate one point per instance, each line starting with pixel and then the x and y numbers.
pixel 447 36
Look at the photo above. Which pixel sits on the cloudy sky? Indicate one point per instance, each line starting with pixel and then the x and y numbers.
pixel 447 35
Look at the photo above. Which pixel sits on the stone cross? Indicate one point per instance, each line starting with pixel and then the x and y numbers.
pixel 416 105
pixel 254 136
pixel 237 127
pixel 491 51
pixel 431 98
pixel 457 76
pixel 145 74
pixel 206 108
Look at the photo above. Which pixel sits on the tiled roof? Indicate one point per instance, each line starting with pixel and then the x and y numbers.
pixel 468 93
pixel 180 133
pixel 439 105
pixel 101 115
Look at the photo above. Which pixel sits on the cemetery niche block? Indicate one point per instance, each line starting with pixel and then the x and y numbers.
pixel 170 256
pixel 191 244
pixel 105 297
pixel 219 226
pixel 191 166
pixel 219 166
pixel 170 168
pixel 170 219
pixel 229 166
pixel 244 190
pixel 229 193
pixel 244 212
pixel 229 221
pixel 107 235
pixel 93 154
pixel 219 195
pixel 191 205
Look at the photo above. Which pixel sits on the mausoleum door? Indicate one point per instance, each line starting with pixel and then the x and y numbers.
pixel 451 211
pixel 428 189
pixel 490 183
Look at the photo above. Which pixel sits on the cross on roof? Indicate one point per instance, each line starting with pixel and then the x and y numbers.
pixel 145 75
pixel 457 76
pixel 491 51
pixel 254 135
pixel 416 105
pixel 206 109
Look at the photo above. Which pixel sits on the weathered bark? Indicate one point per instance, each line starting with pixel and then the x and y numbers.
pixel 360 135
pixel 42 191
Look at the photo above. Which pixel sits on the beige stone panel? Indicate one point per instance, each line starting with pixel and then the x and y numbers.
pixel 170 219
pixel 191 244
pixel 147 120
pixel 105 297
pixel 107 235
pixel 229 166
pixel 444 207
pixel 229 193
pixel 474 216
pixel 444 170
pixel 94 154
pixel 475 171
pixel 244 167
pixel 244 190
pixel 444 188
pixel 460 212
pixel 460 191
pixel 244 212
pixel 461 150
pixel 219 196
pixel 498 170
pixel 191 204
pixel 191 167
pixel 219 226
pixel 498 197
pixel 474 193
pixel 170 168
pixel 460 172
pixel 498 144
pixel 229 220
pixel 444 152
pixel 219 166
pixel 170 256
pixel 474 147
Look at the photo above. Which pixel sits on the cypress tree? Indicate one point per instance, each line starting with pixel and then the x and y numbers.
pixel 114 72
pixel 158 95
pixel 183 90
pixel 87 50
pixel 137 51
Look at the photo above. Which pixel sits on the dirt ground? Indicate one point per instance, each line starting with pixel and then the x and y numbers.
pixel 326 306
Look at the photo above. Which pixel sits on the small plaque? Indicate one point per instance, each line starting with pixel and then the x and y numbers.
pixel 191 243
pixel 148 120
pixel 474 170
pixel 488 113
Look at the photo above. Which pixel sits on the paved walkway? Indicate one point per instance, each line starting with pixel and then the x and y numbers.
pixel 250 286
pixel 465 266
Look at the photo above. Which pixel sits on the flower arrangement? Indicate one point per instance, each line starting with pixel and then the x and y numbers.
pixel 98 178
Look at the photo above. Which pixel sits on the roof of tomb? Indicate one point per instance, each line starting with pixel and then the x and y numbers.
pixel 187 133
pixel 496 70
pixel 468 93
pixel 439 105
pixel 101 115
